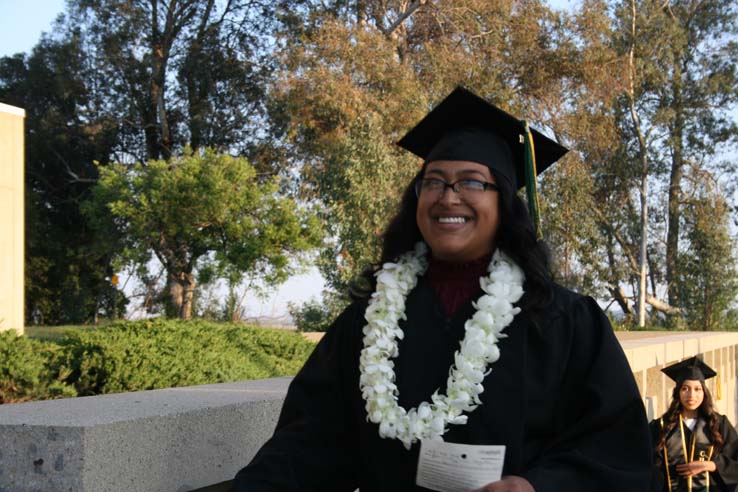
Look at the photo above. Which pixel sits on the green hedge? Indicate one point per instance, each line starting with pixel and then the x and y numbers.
pixel 27 370
pixel 150 354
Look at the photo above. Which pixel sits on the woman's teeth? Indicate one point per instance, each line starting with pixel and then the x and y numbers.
pixel 451 220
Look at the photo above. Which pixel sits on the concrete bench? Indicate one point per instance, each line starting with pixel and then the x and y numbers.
pixel 170 440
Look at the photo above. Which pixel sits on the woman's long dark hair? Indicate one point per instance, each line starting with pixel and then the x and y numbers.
pixel 515 236
pixel 705 410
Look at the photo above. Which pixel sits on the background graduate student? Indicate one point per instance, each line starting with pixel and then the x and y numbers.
pixel 463 336
pixel 696 448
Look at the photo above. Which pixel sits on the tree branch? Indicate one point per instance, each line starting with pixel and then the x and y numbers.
pixel 403 16
pixel 74 176
pixel 662 306
pixel 619 238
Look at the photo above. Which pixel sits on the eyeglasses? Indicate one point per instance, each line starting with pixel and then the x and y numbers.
pixel 433 189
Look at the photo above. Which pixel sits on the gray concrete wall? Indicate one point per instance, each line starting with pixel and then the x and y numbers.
pixel 171 440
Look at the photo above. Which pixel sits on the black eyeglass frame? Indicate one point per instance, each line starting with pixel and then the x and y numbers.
pixel 454 186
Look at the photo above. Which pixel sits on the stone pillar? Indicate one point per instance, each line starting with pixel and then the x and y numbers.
pixel 12 218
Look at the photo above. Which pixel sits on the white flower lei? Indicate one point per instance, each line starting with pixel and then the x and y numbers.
pixel 503 287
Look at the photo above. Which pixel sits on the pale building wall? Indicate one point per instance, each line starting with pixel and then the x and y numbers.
pixel 12 218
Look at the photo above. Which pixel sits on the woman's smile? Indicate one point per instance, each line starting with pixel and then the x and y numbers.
pixel 452 223
pixel 458 226
pixel 452 220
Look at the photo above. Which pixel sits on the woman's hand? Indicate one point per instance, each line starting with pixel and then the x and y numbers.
pixel 510 483
pixel 695 468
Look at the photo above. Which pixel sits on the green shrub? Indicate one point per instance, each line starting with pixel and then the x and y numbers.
pixel 26 370
pixel 149 354
pixel 318 315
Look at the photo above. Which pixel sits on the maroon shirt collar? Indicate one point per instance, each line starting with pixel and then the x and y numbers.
pixel 456 283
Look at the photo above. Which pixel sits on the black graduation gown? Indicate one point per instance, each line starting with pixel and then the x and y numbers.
pixel 561 398
pixel 723 479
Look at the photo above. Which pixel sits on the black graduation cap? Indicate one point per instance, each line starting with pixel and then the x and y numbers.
pixel 692 368
pixel 466 127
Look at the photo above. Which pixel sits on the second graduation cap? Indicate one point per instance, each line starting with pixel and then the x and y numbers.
pixel 465 127
pixel 692 368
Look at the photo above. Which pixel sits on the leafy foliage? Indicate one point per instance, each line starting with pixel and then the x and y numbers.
pixel 318 315
pixel 568 73
pixel 203 209
pixel 340 131
pixel 125 81
pixel 683 86
pixel 186 71
pixel 357 76
pixel 708 276
pixel 27 370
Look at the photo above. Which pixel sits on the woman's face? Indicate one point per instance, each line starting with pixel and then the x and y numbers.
pixel 691 394
pixel 458 227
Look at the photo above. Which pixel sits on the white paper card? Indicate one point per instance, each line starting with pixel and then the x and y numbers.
pixel 449 467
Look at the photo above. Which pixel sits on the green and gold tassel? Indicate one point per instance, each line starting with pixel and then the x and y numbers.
pixel 530 179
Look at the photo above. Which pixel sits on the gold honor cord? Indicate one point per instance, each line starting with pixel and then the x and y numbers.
pixel 691 456
pixel 707 473
pixel 666 456
pixel 687 458
pixel 684 448
pixel 530 179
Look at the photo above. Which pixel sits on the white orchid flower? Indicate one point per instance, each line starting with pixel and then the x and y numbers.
pixel 502 287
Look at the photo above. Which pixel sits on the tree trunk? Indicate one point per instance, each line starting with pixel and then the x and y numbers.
pixel 643 260
pixel 675 179
pixel 181 290
pixel 644 174
pixel 161 44
pixel 197 94
pixel 617 293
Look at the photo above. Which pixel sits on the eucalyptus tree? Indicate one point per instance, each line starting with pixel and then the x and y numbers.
pixel 708 277
pixel 697 102
pixel 356 75
pixel 682 86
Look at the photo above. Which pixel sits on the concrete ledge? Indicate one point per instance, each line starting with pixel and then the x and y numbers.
pixel 177 439
pixel 658 348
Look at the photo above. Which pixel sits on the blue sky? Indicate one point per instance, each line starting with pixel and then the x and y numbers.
pixel 22 22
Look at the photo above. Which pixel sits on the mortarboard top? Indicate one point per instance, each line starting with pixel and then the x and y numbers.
pixel 692 368
pixel 466 127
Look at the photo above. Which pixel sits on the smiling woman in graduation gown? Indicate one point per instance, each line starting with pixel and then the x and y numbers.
pixel 696 449
pixel 561 397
